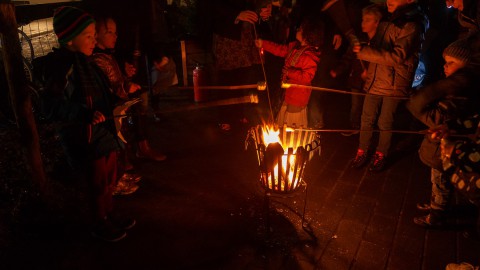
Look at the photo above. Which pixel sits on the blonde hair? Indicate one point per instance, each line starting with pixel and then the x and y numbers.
pixel 374 10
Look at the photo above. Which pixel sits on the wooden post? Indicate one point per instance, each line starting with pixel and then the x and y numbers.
pixel 184 62
pixel 19 94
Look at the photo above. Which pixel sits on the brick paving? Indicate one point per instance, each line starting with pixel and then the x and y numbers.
pixel 202 208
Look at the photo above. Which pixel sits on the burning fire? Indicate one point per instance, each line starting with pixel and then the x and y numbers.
pixel 271 136
pixel 282 155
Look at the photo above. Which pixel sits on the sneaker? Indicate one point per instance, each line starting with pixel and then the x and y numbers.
pixel 156 118
pixel 125 188
pixel 424 206
pixel 130 178
pixel 461 266
pixel 107 232
pixel 360 159
pixel 122 222
pixel 378 162
pixel 429 221
pixel 224 126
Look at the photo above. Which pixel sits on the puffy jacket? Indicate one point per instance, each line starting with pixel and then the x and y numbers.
pixel 394 58
pixel 459 89
pixel 71 102
pixel 109 65
pixel 350 64
pixel 299 68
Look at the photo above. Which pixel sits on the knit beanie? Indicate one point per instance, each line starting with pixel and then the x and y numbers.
pixel 458 49
pixel 68 22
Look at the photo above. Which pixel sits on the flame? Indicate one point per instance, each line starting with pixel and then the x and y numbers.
pixel 272 135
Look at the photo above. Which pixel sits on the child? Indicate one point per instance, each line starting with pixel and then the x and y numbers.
pixel 163 74
pixel 301 58
pixel 76 96
pixel 371 16
pixel 121 88
pixel 456 56
pixel 461 81
pixel 389 76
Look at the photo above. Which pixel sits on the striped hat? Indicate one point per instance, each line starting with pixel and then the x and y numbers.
pixel 68 22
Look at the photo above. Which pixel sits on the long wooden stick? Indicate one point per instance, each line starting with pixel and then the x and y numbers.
pixel 221 87
pixel 421 132
pixel 323 89
pixel 203 105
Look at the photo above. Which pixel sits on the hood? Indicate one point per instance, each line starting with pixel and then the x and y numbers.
pixel 409 13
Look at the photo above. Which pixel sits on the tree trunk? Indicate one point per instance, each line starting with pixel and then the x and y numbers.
pixel 19 95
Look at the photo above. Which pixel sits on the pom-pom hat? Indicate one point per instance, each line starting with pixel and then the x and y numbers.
pixel 68 22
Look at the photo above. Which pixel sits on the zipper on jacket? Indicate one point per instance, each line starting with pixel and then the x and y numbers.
pixel 393 76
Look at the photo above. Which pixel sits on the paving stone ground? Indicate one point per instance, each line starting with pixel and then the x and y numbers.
pixel 203 208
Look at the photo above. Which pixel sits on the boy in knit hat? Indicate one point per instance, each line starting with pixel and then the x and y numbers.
pixel 452 97
pixel 389 77
pixel 456 56
pixel 76 96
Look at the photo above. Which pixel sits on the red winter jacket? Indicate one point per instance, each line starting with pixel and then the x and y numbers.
pixel 300 67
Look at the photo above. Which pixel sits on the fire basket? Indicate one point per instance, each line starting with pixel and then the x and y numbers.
pixel 282 156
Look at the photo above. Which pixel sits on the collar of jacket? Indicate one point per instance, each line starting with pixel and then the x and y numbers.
pixel 64 58
pixel 64 53
pixel 468 22
pixel 105 51
pixel 409 13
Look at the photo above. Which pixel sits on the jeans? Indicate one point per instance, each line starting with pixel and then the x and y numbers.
pixel 356 109
pixel 441 189
pixel 384 109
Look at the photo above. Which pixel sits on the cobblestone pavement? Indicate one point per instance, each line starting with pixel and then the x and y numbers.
pixel 203 208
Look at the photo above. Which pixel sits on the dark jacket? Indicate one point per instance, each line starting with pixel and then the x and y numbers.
pixel 73 88
pixel 354 67
pixel 224 13
pixel 434 104
pixel 394 59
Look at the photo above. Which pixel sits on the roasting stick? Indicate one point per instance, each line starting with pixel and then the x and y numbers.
pixel 224 102
pixel 419 132
pixel 422 132
pixel 264 75
pixel 221 87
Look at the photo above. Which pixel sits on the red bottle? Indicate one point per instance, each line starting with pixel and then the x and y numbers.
pixel 198 80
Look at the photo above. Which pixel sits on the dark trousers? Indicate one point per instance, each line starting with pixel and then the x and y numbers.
pixel 140 118
pixel 378 110
pixel 356 109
